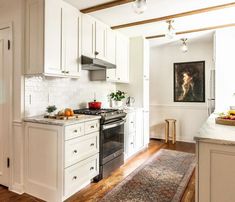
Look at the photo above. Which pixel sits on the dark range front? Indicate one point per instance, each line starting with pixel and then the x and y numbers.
pixel 112 146
pixel 111 139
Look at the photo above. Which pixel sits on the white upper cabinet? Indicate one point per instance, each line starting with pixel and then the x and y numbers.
pixel 100 41
pixel 71 53
pixel 88 36
pixel 111 54
pixel 122 58
pixel 49 49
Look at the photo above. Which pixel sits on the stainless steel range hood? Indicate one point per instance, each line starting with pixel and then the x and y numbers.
pixel 95 64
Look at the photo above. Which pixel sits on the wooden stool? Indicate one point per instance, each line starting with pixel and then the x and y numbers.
pixel 168 123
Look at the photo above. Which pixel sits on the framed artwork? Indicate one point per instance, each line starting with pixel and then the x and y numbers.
pixel 189 82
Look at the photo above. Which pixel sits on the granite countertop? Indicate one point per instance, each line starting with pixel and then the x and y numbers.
pixel 216 133
pixel 42 120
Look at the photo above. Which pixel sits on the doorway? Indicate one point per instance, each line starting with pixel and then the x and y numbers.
pixel 5 103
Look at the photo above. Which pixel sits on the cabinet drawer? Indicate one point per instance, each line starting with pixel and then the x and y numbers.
pixel 74 131
pixel 80 174
pixel 131 122
pixel 92 126
pixel 80 148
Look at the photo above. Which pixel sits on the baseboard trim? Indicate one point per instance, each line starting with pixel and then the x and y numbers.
pixel 17 188
pixel 177 139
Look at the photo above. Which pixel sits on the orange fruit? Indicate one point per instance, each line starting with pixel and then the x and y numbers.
pixel 71 113
pixel 67 113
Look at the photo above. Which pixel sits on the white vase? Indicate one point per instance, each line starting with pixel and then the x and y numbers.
pixel 119 103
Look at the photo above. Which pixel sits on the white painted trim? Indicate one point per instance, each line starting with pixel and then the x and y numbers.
pixel 177 139
pixel 10 69
pixel 186 106
pixel 17 188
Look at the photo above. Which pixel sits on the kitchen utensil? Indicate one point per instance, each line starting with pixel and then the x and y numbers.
pixel 130 101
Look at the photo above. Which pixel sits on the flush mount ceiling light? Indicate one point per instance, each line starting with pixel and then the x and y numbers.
pixel 184 47
pixel 139 6
pixel 170 34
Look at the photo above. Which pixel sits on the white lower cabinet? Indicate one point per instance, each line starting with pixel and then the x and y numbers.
pixel 134 132
pixel 78 175
pixel 60 160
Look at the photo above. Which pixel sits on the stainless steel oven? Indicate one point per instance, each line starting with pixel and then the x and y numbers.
pixel 111 147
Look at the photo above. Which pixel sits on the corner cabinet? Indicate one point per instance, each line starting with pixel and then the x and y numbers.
pixel 60 160
pixel 52 38
pixel 122 58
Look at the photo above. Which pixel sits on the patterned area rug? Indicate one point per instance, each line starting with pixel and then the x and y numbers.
pixel 163 178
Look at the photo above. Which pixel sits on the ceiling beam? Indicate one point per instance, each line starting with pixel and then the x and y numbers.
pixel 105 5
pixel 194 30
pixel 178 15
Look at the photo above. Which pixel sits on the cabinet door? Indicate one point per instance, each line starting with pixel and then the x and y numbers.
pixel 122 59
pixel 34 35
pixel 139 130
pixel 100 40
pixel 52 37
pixel 146 127
pixel 88 36
pixel 70 40
pixel 111 54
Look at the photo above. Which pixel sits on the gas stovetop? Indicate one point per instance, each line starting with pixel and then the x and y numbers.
pixel 106 114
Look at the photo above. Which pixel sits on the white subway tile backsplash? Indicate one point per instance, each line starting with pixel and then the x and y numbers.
pixel 63 92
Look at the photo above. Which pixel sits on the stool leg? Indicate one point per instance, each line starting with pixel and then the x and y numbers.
pixel 166 132
pixel 174 133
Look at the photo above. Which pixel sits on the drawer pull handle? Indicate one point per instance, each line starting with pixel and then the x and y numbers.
pixel 75 151
pixel 92 144
pixel 92 127
pixel 75 131
pixel 75 177
pixel 92 168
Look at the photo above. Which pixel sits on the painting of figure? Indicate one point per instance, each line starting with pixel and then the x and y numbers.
pixel 189 82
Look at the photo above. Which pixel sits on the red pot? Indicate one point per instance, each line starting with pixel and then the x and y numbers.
pixel 94 105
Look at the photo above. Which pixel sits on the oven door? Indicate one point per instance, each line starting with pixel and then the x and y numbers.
pixel 112 140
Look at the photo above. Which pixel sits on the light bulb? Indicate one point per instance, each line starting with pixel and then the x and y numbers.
pixel 184 48
pixel 139 6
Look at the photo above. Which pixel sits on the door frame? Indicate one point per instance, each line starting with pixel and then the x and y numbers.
pixel 10 81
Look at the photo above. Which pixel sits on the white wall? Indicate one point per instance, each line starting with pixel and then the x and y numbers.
pixel 63 92
pixel 12 11
pixel 225 69
pixel 189 116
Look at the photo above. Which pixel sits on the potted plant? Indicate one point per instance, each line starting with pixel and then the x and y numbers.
pixel 116 98
pixel 50 110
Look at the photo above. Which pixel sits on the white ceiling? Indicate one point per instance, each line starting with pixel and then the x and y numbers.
pixel 157 8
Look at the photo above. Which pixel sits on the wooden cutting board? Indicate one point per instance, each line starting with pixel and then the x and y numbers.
pixel 227 122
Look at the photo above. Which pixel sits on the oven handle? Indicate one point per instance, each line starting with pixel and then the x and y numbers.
pixel 108 126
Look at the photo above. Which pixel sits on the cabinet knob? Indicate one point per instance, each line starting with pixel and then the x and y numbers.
pixel 67 72
pixel 75 151
pixel 118 78
pixel 96 53
pixel 132 143
pixel 107 77
pixel 92 168
pixel 75 131
pixel 63 71
pixel 75 177
pixel 92 144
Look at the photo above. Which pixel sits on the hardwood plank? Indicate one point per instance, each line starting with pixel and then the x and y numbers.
pixel 105 6
pixel 174 16
pixel 96 191
pixel 194 30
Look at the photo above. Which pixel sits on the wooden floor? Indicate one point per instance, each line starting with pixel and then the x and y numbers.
pixel 95 191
